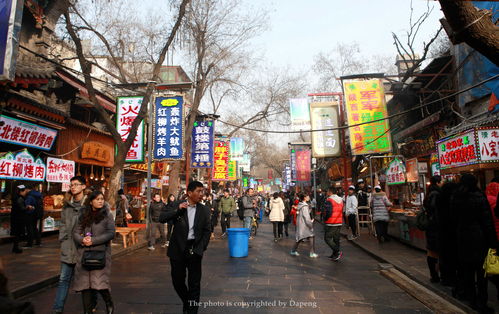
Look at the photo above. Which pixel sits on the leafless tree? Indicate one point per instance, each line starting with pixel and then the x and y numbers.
pixel 113 44
pixel 407 49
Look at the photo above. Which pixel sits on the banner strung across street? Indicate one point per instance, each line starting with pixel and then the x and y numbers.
pixel 22 166
pixel 168 128
pixel 24 133
pixel 300 113
pixel 202 144
pixel 232 170
pixel 365 101
pixel 324 115
pixel 60 170
pixel 303 166
pixel 127 110
pixel 236 148
pixel 221 158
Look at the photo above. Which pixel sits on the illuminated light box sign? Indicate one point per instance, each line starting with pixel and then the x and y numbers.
pixel 24 133
pixel 488 144
pixel 458 150
pixel 22 166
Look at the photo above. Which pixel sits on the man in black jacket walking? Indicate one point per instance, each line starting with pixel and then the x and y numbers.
pixel 190 238
pixel 155 209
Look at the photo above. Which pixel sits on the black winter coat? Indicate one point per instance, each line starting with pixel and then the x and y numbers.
pixel 474 226
pixel 433 205
pixel 155 210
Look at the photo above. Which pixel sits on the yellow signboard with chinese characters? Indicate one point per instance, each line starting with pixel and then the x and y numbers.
pixel 365 101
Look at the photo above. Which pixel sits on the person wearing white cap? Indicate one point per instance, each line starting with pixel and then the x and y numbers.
pixel 351 211
pixel 380 204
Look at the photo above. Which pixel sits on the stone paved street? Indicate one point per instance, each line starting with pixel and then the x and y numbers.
pixel 141 282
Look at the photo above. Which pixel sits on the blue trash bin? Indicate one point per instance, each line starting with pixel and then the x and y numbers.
pixel 238 241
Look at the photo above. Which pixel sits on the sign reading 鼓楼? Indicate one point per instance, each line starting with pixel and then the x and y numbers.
pixel 24 133
pixel 324 115
pixel 60 170
pixel 395 174
pixel 488 144
pixel 127 110
pixel 221 161
pixel 168 128
pixel 202 144
pixel 22 166
pixel 458 150
pixel 365 101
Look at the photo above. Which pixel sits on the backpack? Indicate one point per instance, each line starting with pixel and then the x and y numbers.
pixel 240 208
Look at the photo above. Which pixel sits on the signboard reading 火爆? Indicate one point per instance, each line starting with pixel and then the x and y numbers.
pixel 127 110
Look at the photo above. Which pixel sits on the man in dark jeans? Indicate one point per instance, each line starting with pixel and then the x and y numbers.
pixel 34 201
pixel 155 209
pixel 226 206
pixel 190 238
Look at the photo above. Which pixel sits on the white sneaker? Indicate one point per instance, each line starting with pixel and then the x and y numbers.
pixel 151 248
pixel 164 245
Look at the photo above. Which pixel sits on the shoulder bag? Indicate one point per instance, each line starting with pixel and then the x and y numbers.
pixel 93 259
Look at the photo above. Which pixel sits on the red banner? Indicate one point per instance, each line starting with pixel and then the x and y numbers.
pixel 303 165
pixel 221 159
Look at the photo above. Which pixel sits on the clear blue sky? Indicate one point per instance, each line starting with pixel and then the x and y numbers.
pixel 300 29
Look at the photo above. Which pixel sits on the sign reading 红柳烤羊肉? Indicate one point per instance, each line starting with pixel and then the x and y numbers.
pixel 60 170
pixel 127 110
pixel 458 150
pixel 168 128
pixel 488 144
pixel 236 148
pixel 202 144
pixel 324 115
pixel 232 170
pixel 365 101
pixel 395 174
pixel 11 13
pixel 22 166
pixel 221 161
pixel 300 113
pixel 303 164
pixel 24 133
pixel 412 170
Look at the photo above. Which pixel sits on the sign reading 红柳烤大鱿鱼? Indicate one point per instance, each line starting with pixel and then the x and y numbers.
pixel 221 161
pixel 395 174
pixel 168 128
pixel 127 110
pixel 24 133
pixel 324 115
pixel 60 170
pixel 202 144
pixel 458 150
pixel 365 101
pixel 22 166
pixel 488 144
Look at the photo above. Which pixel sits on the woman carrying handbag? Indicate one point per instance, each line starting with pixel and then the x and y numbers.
pixel 93 236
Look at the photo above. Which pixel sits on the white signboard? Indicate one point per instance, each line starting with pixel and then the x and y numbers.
pixel 60 170
pixel 395 174
pixel 24 133
pixel 128 109
pixel 22 166
pixel 488 144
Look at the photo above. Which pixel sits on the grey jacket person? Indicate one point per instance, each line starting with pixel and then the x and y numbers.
pixel 102 234
pixel 249 211
pixel 380 204
pixel 69 219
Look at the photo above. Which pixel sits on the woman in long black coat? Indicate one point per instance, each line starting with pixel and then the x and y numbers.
pixel 475 235
pixel 433 205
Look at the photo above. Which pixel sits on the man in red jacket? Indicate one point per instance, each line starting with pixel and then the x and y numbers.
pixel 333 220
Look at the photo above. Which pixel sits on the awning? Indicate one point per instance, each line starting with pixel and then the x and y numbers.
pixel 80 86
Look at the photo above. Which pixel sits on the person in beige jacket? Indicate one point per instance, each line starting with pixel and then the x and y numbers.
pixel 276 215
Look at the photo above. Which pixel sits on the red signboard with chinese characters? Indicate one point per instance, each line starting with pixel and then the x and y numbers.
pixel 395 174
pixel 26 134
pixel 60 170
pixel 221 159
pixel 128 109
pixel 22 166
pixel 488 144
pixel 303 165
pixel 458 150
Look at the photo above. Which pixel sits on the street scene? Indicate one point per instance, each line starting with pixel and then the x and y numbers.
pixel 249 156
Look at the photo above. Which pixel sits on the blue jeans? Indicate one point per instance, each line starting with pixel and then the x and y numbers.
pixel 247 222
pixel 67 271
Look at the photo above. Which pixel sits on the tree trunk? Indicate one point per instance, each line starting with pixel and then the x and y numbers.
pixel 117 173
pixel 480 32
pixel 174 178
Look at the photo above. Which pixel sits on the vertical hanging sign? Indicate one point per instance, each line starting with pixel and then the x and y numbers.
pixel 128 109
pixel 168 130
pixel 236 148
pixel 232 170
pixel 324 115
pixel 292 165
pixel 221 161
pixel 365 101
pixel 202 144
pixel 303 165
pixel 300 113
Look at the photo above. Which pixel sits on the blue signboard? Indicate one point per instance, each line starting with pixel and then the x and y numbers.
pixel 168 128
pixel 202 144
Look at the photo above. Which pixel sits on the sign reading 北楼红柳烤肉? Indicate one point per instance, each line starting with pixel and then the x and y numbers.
pixel 168 128
pixel 24 133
